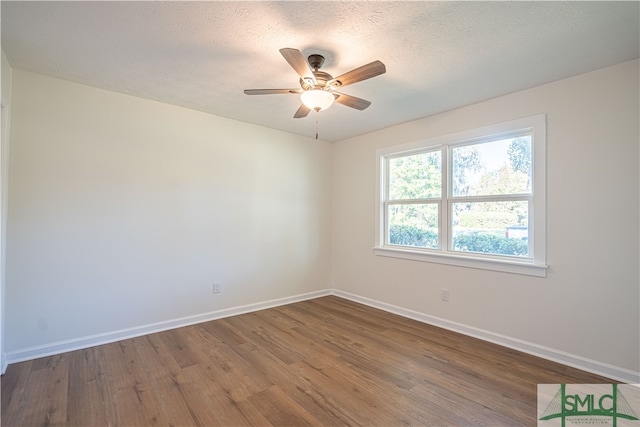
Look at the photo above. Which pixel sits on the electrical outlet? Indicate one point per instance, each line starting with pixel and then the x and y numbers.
pixel 216 287
pixel 444 295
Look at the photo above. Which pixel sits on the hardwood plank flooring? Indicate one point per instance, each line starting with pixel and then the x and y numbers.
pixel 324 362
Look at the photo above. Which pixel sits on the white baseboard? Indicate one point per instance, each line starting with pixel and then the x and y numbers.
pixel 609 371
pixel 109 337
pixel 593 366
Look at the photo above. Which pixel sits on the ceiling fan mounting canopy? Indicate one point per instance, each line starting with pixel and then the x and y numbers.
pixel 314 82
pixel 315 61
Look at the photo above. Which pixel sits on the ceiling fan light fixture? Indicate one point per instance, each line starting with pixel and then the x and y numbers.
pixel 317 99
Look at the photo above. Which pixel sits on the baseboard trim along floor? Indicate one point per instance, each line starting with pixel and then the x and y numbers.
pixel 595 367
pixel 599 368
pixel 109 337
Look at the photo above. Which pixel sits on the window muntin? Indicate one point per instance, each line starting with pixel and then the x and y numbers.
pixel 474 193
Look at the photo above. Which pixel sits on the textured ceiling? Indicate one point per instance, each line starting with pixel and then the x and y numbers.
pixel 201 55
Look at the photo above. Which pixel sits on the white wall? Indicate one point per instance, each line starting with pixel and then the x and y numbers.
pixel 588 306
pixel 124 211
pixel 5 103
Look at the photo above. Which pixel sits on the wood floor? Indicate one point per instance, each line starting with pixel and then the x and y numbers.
pixel 326 362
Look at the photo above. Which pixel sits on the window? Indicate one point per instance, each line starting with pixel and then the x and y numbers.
pixel 473 199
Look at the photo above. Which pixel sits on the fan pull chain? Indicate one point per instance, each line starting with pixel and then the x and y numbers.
pixel 316 126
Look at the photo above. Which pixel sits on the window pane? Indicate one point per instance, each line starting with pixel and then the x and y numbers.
pixel 492 168
pixel 499 228
pixel 413 225
pixel 416 177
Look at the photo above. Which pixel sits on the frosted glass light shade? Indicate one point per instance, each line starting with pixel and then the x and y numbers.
pixel 317 99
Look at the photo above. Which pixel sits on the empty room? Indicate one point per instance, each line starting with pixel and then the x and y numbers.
pixel 320 213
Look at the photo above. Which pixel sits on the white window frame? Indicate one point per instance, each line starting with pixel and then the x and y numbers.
pixel 535 265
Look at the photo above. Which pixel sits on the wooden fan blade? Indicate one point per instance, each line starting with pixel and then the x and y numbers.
pixel 303 111
pixel 298 63
pixel 365 72
pixel 351 101
pixel 270 91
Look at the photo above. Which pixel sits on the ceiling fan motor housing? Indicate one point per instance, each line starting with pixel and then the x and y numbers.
pixel 316 61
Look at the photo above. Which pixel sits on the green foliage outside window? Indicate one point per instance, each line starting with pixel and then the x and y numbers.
pixel 408 235
pixel 490 244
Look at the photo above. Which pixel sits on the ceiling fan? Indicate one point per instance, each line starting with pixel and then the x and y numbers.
pixel 318 90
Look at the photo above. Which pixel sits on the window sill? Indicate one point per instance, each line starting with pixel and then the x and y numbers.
pixel 528 268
